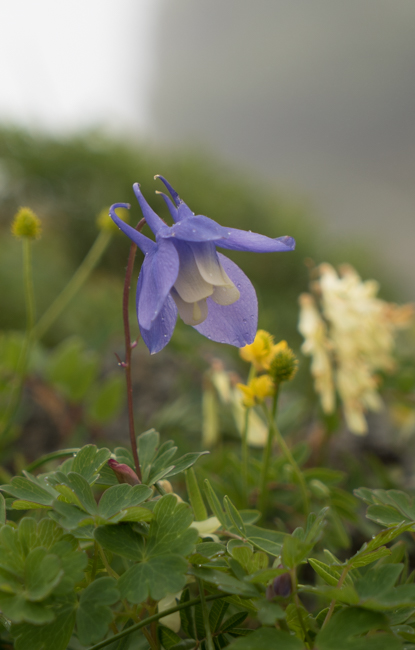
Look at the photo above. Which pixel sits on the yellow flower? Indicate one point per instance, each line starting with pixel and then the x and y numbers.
pixel 260 352
pixel 257 390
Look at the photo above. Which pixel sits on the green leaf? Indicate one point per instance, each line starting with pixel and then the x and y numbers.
pixel 368 558
pixel 81 489
pixel 377 580
pixel 186 615
pixel 269 541
pixel 299 620
pixel 30 489
pixel 162 463
pixel 269 613
pixel 186 644
pixel 199 622
pixel 195 496
pixel 233 621
pixel 215 503
pixel 19 504
pixel 54 636
pixel 185 462
pixel 167 637
pixel 267 638
pixel 234 516
pixel 330 573
pixel 2 509
pixel 18 609
pixel 265 576
pixel 43 572
pixel 386 515
pixel 294 551
pixel 345 628
pixel 89 460
pixel 210 549
pixel 216 614
pixel 346 594
pixel 382 538
pixel 122 497
pixel 225 582
pixel 147 444
pixel 161 566
pixel 94 615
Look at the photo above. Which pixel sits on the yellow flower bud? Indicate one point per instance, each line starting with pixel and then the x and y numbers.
pixel 284 363
pixel 26 224
pixel 257 390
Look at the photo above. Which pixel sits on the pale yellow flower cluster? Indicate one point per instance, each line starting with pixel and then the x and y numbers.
pixel 350 335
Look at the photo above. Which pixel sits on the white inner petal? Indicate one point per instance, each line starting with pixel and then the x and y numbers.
pixel 192 313
pixel 208 264
pixel 225 295
pixel 190 284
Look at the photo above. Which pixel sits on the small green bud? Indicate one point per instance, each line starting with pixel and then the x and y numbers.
pixel 106 224
pixel 284 364
pixel 319 489
pixel 26 224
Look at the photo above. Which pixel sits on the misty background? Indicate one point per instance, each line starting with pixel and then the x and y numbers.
pixel 313 99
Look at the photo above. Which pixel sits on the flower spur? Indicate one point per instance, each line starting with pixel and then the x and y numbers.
pixel 182 272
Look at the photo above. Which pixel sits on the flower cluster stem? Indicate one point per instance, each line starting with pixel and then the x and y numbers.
pixel 291 460
pixel 75 283
pixel 274 433
pixel 267 454
pixel 28 283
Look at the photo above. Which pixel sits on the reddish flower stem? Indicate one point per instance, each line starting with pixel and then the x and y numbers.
pixel 128 349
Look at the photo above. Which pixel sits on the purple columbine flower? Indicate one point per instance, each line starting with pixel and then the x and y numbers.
pixel 182 272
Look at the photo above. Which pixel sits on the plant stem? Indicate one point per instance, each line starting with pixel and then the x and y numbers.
pixel 21 369
pixel 128 350
pixel 75 283
pixel 297 471
pixel 245 454
pixel 333 602
pixel 28 283
pixel 275 432
pixel 267 453
pixel 106 564
pixel 205 615
pixel 150 619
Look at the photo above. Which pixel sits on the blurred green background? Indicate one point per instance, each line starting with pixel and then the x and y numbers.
pixel 68 181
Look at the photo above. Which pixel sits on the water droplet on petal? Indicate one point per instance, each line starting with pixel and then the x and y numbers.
pixel 243 320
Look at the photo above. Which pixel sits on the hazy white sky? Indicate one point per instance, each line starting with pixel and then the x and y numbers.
pixel 66 65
